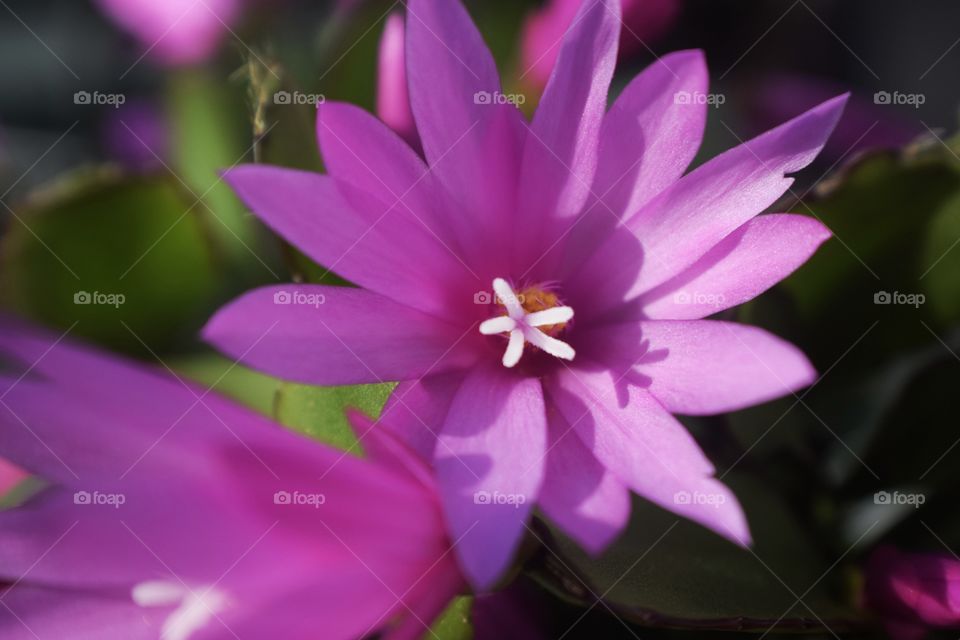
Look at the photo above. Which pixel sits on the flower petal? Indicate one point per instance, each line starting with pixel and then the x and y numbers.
pixel 560 156
pixel 759 254
pixel 32 612
pixel 650 135
pixel 489 463
pixel 471 140
pixel 705 367
pixel 580 494
pixel 416 410
pixel 648 450
pixel 335 336
pixel 686 220
pixel 360 150
pixel 354 234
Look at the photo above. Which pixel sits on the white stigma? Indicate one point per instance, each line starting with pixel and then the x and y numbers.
pixel 522 326
pixel 192 611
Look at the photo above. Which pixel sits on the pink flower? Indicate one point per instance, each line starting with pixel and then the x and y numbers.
pixel 643 22
pixel 913 592
pixel 393 100
pixel 586 214
pixel 10 476
pixel 171 511
pixel 175 32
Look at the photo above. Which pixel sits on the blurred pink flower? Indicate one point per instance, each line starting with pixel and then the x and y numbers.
pixel 10 476
pixel 864 125
pixel 643 22
pixel 172 512
pixel 913 593
pixel 539 288
pixel 393 99
pixel 136 135
pixel 175 32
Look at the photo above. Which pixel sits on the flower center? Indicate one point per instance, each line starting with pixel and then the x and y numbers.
pixel 535 316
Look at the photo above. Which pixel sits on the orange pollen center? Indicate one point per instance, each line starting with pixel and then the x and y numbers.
pixel 534 299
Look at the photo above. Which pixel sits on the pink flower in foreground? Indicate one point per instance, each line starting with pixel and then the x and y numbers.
pixel 393 99
pixel 643 22
pixel 913 592
pixel 615 256
pixel 174 513
pixel 175 32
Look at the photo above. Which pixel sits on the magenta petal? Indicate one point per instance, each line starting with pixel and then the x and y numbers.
pixel 490 462
pixel 416 410
pixel 648 450
pixel 30 612
pixel 689 218
pixel 704 367
pixel 560 156
pixel 471 139
pixel 580 494
pixel 353 233
pixel 746 263
pixel 335 335
pixel 648 140
pixel 360 150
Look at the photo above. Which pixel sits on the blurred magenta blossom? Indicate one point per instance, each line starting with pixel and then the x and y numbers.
pixel 173 512
pixel 643 22
pixel 538 288
pixel 865 124
pixel 175 32
pixel 136 135
pixel 393 99
pixel 10 476
pixel 913 593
